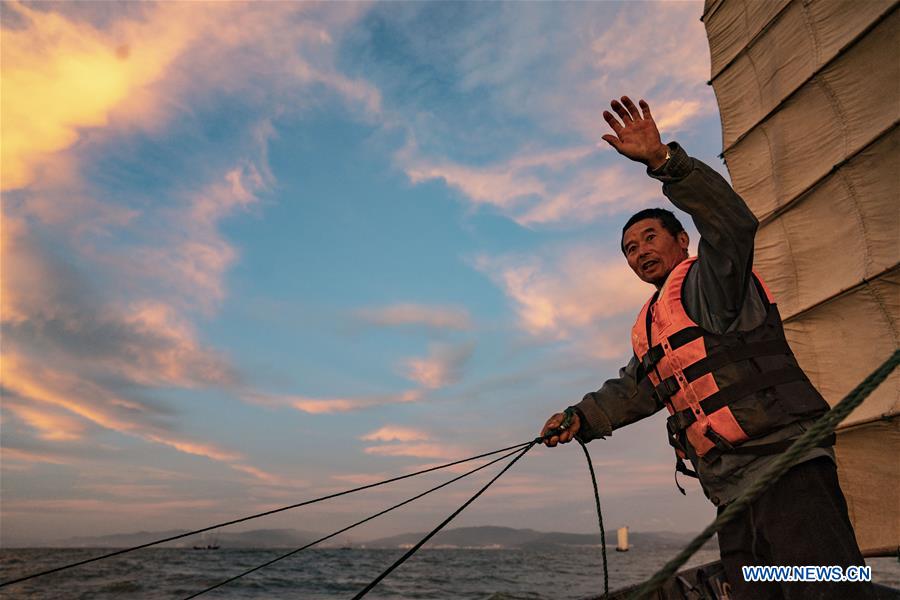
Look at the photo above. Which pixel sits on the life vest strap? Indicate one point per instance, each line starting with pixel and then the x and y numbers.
pixel 739 390
pixel 725 356
pixel 685 418
pixel 652 358
pixel 684 336
pixel 778 447
pixel 718 359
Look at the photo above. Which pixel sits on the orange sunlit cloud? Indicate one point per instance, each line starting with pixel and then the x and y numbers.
pixel 50 424
pixel 338 405
pixel 91 402
pixel 74 76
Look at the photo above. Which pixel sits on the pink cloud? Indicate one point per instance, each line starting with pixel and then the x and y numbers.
pixel 337 405
pixel 565 296
pixel 413 450
pixel 28 458
pixel 395 433
pixel 442 367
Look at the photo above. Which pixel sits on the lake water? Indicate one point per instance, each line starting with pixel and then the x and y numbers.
pixel 319 574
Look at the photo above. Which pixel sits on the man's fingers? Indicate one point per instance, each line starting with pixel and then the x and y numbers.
pixel 612 141
pixel 622 112
pixel 613 122
pixel 645 110
pixel 632 109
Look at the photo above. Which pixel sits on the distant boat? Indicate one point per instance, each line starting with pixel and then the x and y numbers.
pixel 622 535
pixel 210 545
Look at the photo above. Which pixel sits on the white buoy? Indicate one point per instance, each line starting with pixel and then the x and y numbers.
pixel 622 535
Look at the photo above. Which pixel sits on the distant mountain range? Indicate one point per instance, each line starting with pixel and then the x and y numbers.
pixel 462 537
pixel 507 537
pixel 257 538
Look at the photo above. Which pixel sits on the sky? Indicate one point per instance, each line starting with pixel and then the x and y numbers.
pixel 257 253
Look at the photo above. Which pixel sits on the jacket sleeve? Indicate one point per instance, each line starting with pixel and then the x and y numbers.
pixel 727 230
pixel 619 402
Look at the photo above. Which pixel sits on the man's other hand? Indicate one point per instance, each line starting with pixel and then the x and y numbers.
pixel 566 436
pixel 636 136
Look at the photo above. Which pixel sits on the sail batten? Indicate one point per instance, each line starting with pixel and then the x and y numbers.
pixel 803 311
pixel 791 202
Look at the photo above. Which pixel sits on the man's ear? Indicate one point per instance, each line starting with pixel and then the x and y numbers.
pixel 683 240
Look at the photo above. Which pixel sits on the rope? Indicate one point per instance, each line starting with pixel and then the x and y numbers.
pixel 599 518
pixel 258 515
pixel 421 542
pixel 568 415
pixel 340 531
pixel 810 439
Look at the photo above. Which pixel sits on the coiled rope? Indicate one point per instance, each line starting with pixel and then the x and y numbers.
pixel 810 439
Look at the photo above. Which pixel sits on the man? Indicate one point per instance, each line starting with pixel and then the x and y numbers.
pixel 709 346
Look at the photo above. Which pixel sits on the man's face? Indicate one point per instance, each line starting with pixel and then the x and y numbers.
pixel 652 252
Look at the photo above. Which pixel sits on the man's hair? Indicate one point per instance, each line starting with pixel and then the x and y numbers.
pixel 669 222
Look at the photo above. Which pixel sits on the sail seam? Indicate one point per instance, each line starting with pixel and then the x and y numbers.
pixel 888 416
pixel 860 221
pixel 862 283
pixel 751 41
pixel 879 299
pixel 803 194
pixel 844 49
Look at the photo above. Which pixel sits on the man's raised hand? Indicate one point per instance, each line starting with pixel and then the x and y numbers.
pixel 636 136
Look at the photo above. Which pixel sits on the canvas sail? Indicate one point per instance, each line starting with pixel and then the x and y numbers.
pixel 809 96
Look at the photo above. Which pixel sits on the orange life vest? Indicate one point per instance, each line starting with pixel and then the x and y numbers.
pixel 720 389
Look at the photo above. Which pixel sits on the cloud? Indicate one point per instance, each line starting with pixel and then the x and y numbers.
pixel 358 479
pixel 417 315
pixel 100 290
pixel 552 89
pixel 28 458
pixel 53 425
pixel 568 295
pixel 395 433
pixel 192 261
pixel 338 405
pixel 74 76
pixel 442 367
pixel 414 450
pixel 132 70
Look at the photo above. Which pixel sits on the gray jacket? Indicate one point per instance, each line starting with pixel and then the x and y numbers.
pixel 720 296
